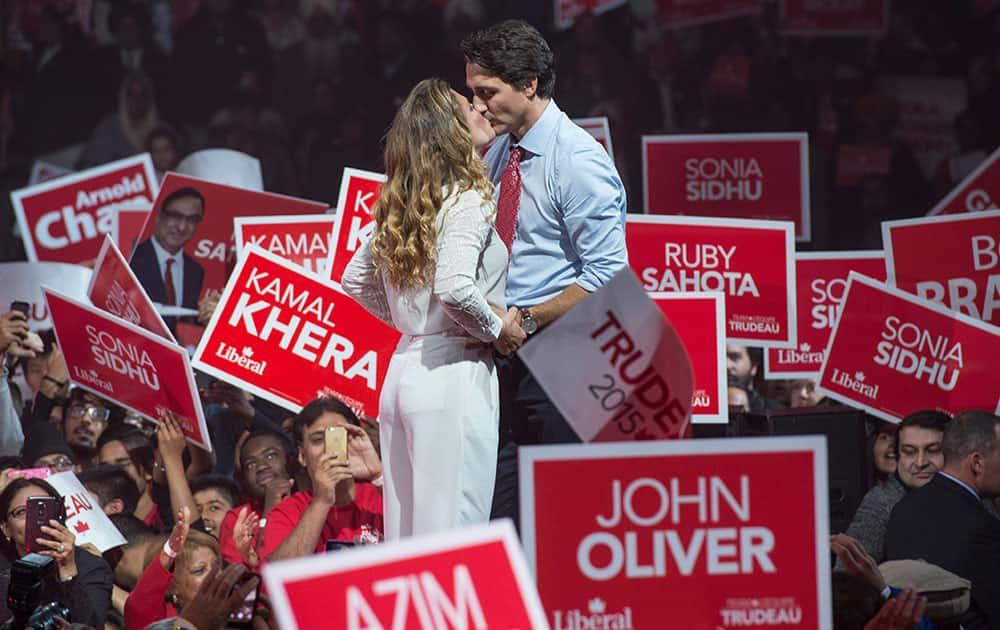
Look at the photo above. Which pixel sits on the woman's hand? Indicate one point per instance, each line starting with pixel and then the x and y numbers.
pixel 177 536
pixel 217 597
pixel 244 533
pixel 511 335
pixel 59 543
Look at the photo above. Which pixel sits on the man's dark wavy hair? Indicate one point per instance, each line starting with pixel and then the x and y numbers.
pixel 514 51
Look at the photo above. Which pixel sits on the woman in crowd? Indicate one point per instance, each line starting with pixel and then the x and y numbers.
pixel 84 579
pixel 432 270
pixel 174 576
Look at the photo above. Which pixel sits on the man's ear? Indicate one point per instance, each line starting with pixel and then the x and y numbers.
pixel 114 506
pixel 531 88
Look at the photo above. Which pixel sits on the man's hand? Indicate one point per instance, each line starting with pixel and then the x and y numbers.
pixel 364 461
pixel 206 307
pixel 899 613
pixel 277 491
pixel 169 437
pixel 333 483
pixel 856 560
pixel 511 335
pixel 232 398
pixel 14 330
pixel 209 609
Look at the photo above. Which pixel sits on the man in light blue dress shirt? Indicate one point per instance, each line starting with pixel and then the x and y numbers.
pixel 570 222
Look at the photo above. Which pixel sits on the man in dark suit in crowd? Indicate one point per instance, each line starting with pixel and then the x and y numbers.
pixel 168 274
pixel 944 522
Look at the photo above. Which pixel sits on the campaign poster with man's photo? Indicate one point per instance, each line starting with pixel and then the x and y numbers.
pixel 186 249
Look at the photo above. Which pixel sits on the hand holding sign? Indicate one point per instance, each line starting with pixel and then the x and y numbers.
pixel 615 372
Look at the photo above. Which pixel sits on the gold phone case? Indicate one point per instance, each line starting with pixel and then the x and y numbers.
pixel 336 442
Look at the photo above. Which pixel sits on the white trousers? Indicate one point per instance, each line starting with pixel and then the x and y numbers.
pixel 439 415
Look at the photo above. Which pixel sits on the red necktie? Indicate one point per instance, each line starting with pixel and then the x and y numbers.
pixel 168 283
pixel 510 198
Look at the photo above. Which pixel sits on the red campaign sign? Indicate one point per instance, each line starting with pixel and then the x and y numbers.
pixel 675 13
pixel 355 224
pixel 821 279
pixel 977 192
pixel 599 129
pixel 741 176
pixel 304 240
pixel 892 353
pixel 952 260
pixel 834 17
pixel 566 11
pixel 119 361
pixel 288 335
pixel 699 317
pixel 694 529
pixel 114 288
pixel 474 577
pixel 210 246
pixel 65 219
pixel 126 226
pixel 753 262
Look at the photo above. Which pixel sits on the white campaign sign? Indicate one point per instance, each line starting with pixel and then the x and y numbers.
pixel 615 367
pixel 84 517
pixel 23 281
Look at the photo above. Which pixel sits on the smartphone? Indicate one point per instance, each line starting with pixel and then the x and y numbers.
pixel 21 307
pixel 242 616
pixel 339 545
pixel 336 442
pixel 40 510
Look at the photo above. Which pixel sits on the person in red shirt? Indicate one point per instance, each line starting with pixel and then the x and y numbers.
pixel 342 504
pixel 265 458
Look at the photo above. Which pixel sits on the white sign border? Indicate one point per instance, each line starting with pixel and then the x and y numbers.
pixel 801 137
pixel 962 186
pixel 227 291
pixel 345 179
pixel 598 121
pixel 857 254
pixel 157 340
pixel 759 224
pixel 903 295
pixel 17 196
pixel 816 444
pixel 276 573
pixel 719 298
pixel 889 226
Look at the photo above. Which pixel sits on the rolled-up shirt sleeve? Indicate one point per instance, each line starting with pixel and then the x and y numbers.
pixel 594 207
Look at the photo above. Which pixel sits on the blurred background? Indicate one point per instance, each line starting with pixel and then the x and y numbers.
pixel 900 103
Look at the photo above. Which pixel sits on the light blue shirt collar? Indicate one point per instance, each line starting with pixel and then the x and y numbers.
pixel 537 136
pixel 961 483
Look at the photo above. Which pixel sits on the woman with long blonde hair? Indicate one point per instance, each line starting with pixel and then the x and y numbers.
pixel 435 270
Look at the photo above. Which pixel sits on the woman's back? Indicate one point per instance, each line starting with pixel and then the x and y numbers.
pixel 466 245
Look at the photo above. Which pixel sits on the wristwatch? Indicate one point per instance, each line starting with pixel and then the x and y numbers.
pixel 528 323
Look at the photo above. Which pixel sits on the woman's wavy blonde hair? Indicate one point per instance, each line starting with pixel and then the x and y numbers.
pixel 428 151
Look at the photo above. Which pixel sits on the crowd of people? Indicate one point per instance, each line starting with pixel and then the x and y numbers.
pixel 498 215
pixel 310 86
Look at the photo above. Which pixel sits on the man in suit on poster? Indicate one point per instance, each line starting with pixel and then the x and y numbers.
pixel 169 275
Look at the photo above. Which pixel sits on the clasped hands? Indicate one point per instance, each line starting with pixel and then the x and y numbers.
pixel 511 336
